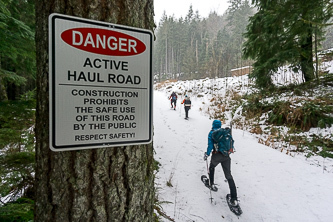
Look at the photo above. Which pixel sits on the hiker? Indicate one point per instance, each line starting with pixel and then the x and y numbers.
pixel 224 159
pixel 187 105
pixel 173 99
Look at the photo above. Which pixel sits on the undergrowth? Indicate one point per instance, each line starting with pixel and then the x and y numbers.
pixel 17 158
pixel 20 210
pixel 297 107
pixel 299 114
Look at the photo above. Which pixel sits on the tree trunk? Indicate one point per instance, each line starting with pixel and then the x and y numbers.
pixel 3 92
pixel 307 57
pixel 105 184
pixel 316 53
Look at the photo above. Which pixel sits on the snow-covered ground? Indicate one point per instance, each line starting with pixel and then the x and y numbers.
pixel 272 186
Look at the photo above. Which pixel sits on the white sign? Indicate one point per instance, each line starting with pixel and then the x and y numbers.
pixel 100 84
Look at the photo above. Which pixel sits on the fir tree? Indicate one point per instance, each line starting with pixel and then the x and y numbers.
pixel 281 33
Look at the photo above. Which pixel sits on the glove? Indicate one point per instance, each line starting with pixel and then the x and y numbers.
pixel 205 156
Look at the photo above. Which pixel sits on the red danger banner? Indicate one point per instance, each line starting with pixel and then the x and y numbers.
pixel 103 42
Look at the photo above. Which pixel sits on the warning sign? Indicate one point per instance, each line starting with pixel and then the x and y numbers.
pixel 100 84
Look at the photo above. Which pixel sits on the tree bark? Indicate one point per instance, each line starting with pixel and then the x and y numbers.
pixel 306 55
pixel 105 184
pixel 3 93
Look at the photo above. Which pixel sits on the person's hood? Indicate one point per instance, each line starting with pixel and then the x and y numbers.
pixel 217 124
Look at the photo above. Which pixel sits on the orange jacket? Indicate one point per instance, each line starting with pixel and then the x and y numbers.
pixel 185 103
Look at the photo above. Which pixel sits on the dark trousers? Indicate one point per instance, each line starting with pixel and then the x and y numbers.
pixel 187 108
pixel 173 101
pixel 225 163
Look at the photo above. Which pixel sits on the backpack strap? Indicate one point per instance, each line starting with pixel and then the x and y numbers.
pixel 215 145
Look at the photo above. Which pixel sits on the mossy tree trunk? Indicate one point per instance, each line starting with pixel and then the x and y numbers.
pixel 106 184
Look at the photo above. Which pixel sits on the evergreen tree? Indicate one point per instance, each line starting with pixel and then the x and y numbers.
pixel 238 15
pixel 196 47
pixel 281 33
pixel 17 51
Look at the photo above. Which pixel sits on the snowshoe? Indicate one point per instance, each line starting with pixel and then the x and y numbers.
pixel 205 180
pixel 234 206
pixel 213 188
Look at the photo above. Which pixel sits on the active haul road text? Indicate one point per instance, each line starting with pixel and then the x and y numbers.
pixel 81 76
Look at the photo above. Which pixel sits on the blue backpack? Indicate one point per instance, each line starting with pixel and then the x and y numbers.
pixel 223 140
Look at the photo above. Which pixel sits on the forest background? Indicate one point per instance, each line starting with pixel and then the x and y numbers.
pixel 195 47
pixel 185 48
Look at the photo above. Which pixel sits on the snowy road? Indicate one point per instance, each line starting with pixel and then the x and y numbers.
pixel 272 186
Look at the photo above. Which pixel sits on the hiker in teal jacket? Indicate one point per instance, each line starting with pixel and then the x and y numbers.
pixel 218 157
pixel 216 125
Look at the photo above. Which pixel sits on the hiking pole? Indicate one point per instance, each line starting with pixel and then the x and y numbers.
pixel 233 148
pixel 210 191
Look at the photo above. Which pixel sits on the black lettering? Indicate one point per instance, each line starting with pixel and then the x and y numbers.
pixel 124 79
pixel 137 80
pixel 124 66
pixel 82 76
pixel 87 62
pixel 71 75
pixel 116 65
pixel 112 78
pixel 97 66
pixel 120 79
pixel 129 80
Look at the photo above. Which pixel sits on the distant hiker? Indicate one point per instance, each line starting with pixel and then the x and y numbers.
pixel 224 159
pixel 173 99
pixel 187 105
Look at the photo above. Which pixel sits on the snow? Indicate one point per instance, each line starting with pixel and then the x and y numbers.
pixel 271 185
